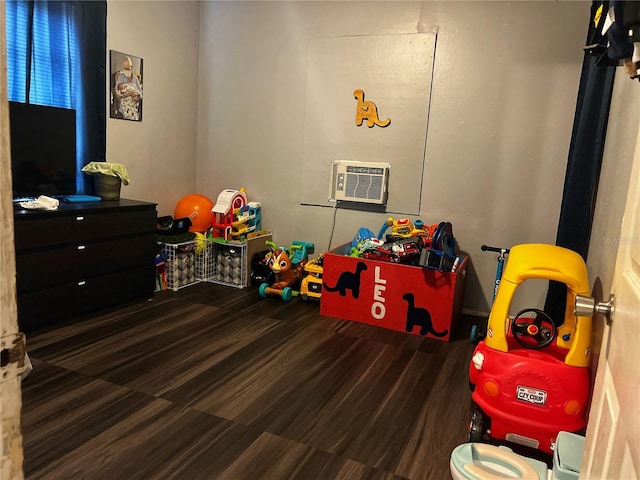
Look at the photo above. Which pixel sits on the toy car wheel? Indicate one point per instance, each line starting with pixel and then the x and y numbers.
pixel 262 291
pixel 303 296
pixel 287 293
pixel 477 425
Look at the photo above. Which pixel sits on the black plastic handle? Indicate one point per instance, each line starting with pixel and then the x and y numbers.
pixel 487 248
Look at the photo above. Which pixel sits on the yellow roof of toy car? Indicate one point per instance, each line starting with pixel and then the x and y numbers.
pixel 550 262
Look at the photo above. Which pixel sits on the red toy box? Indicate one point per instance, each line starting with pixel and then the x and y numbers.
pixel 418 300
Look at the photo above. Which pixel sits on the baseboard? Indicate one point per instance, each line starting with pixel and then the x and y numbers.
pixel 475 313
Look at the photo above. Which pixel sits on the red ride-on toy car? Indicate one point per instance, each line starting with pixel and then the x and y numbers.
pixel 529 377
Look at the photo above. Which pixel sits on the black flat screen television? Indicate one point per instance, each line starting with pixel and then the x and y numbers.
pixel 43 150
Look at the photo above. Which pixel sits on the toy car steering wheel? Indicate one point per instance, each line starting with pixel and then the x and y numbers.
pixel 534 333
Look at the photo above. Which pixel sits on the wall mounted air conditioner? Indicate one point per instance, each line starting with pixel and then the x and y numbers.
pixel 353 181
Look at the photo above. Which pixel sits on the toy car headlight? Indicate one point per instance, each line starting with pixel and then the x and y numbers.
pixel 572 407
pixel 491 388
pixel 478 360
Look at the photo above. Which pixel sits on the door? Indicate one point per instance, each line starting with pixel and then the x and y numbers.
pixel 11 397
pixel 612 449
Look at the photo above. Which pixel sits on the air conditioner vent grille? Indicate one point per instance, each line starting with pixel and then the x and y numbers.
pixel 366 170
pixel 353 181
pixel 364 186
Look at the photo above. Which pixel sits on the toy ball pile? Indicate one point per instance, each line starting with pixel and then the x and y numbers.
pixel 409 243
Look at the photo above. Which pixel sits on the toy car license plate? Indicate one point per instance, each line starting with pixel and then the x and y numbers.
pixel 531 395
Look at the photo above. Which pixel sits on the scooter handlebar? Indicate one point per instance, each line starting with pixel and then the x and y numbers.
pixel 487 248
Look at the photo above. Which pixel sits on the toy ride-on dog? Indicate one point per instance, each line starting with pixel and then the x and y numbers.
pixel 530 375
pixel 288 267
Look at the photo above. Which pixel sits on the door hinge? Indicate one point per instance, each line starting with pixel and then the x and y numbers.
pixel 14 352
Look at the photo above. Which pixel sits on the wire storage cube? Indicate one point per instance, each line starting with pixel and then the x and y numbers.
pixel 185 264
pixel 229 264
pixel 205 261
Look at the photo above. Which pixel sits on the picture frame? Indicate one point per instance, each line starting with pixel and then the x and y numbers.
pixel 126 86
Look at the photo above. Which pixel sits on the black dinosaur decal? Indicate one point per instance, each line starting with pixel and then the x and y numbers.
pixel 420 316
pixel 348 281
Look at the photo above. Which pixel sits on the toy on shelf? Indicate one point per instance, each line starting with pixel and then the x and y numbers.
pixel 225 211
pixel 288 267
pixel 175 230
pixel 201 243
pixel 247 220
pixel 234 218
pixel 198 209
pixel 161 270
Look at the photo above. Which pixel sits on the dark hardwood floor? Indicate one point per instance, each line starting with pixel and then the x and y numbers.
pixel 213 382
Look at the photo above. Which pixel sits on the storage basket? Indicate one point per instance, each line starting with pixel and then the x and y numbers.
pixel 184 264
pixel 230 267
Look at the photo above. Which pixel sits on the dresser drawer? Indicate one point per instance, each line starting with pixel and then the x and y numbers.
pixel 42 269
pixel 82 258
pixel 64 302
pixel 41 232
pixel 97 226
pixel 45 307
pixel 99 258
pixel 108 291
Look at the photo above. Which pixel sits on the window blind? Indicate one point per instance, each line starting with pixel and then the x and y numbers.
pixel 43 62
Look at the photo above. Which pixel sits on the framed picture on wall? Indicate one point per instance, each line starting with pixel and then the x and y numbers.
pixel 126 86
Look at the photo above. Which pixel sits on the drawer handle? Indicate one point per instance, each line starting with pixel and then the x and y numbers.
pixel 81 247
pixel 81 283
pixel 79 219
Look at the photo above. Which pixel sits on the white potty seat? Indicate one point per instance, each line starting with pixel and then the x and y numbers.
pixel 480 461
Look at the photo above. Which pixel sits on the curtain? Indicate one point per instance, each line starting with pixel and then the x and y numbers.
pixel 583 168
pixel 56 55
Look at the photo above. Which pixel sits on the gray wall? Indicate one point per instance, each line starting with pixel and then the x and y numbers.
pixel 160 151
pixel 503 99
pixel 225 84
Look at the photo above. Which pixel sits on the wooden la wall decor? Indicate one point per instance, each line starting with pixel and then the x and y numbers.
pixel 367 110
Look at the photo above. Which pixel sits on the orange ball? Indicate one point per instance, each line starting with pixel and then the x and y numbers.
pixel 199 210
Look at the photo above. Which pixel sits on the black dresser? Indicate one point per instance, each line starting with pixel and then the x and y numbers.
pixel 82 258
